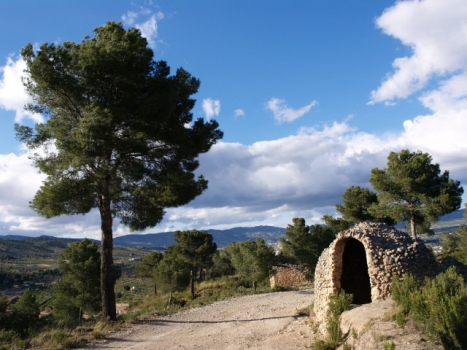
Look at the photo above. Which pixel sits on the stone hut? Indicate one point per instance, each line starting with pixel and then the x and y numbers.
pixel 362 261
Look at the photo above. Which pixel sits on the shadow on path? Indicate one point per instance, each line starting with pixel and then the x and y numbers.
pixel 162 322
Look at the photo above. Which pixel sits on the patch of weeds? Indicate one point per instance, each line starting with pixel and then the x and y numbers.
pixel 100 330
pixel 320 344
pixel 277 288
pixel 400 319
pixel 346 346
pixel 97 334
pixel 377 336
pixel 367 326
pixel 354 333
pixel 8 338
pixel 304 311
pixel 389 345
pixel 56 339
pixel 390 315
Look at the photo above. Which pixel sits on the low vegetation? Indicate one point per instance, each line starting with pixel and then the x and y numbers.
pixel 439 305
pixel 338 303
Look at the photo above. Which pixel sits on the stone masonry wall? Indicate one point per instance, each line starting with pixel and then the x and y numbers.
pixel 287 275
pixel 388 252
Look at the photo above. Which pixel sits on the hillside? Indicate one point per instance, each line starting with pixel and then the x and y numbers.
pixel 222 238
pixel 14 247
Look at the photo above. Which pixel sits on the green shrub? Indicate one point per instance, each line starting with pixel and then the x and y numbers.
pixel 402 289
pixel 389 345
pixel 8 336
pixel 319 344
pixel 440 305
pixel 400 319
pixel 334 332
pixel 338 303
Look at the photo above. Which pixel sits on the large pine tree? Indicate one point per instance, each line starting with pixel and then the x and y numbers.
pixel 119 134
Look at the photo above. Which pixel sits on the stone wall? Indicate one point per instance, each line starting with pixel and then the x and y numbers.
pixel 362 261
pixel 287 275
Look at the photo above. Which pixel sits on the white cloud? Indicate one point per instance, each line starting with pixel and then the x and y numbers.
pixel 284 114
pixel 19 181
pixel 436 31
pixel 451 95
pixel 129 18
pixel 303 175
pixel 211 108
pixel 13 95
pixel 239 113
pixel 147 26
pixel 268 182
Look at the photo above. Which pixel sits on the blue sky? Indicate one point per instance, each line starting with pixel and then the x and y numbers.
pixel 311 95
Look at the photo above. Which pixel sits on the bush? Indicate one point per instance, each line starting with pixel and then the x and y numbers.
pixel 338 303
pixel 8 337
pixel 440 305
pixel 402 290
pixel 400 319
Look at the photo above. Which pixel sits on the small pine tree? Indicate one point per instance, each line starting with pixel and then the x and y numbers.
pixel 306 243
pixel 26 313
pixel 147 266
pixel 79 288
pixel 171 273
pixel 195 248
pixel 252 260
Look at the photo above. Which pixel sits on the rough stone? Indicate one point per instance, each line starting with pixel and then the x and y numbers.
pixel 287 275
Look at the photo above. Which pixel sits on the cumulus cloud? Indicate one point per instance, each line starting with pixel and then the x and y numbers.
pixel 303 175
pixel 146 21
pixel 211 108
pixel 13 96
pixel 19 181
pixel 283 113
pixel 239 113
pixel 436 31
pixel 268 182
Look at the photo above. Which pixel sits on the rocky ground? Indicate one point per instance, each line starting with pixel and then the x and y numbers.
pixel 264 321
pixel 369 326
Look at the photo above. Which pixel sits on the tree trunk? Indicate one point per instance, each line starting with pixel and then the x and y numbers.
pixel 155 289
pixel 107 269
pixel 412 227
pixel 254 287
pixel 170 300
pixel 192 283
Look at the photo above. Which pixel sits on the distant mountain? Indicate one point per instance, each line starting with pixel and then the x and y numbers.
pixel 455 215
pixel 222 238
pixel 43 247
pixel 48 245
pixel 15 237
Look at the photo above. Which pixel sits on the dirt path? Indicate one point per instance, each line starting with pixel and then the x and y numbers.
pixel 265 321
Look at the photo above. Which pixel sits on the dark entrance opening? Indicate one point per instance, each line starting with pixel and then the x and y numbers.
pixel 355 278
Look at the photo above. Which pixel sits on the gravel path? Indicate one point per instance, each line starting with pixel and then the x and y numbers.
pixel 264 321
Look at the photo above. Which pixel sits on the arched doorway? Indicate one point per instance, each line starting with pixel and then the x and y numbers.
pixel 355 278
